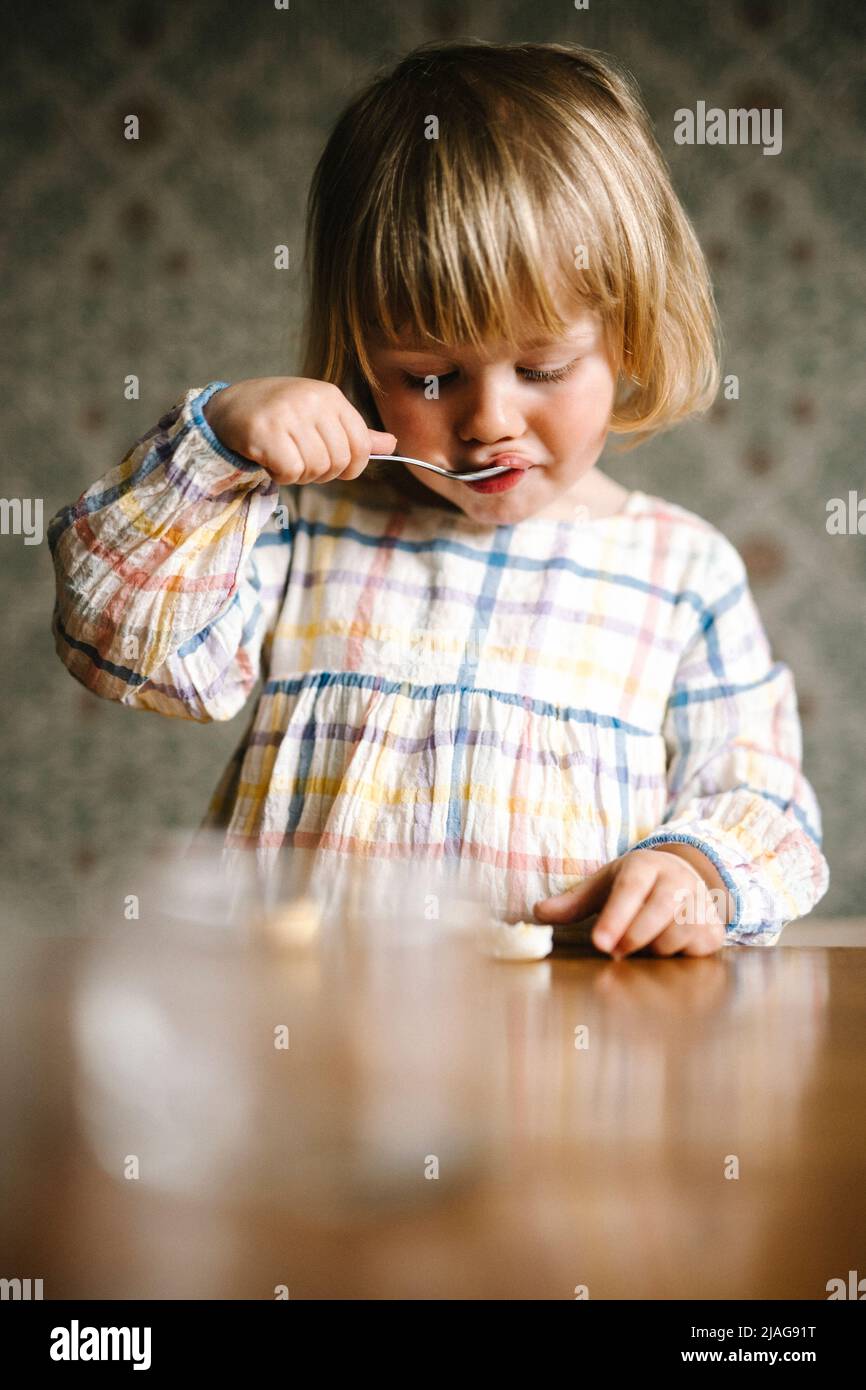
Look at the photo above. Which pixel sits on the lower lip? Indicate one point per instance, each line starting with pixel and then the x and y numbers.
pixel 501 483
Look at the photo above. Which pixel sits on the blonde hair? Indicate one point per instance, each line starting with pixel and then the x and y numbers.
pixel 545 162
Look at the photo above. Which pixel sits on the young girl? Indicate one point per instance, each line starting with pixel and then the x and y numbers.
pixel 562 681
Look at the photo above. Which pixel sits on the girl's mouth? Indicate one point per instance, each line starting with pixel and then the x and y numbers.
pixel 501 483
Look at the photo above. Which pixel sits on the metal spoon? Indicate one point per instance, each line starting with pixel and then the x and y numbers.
pixel 471 477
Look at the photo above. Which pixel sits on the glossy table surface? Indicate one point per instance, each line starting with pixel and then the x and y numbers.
pixel 642 1129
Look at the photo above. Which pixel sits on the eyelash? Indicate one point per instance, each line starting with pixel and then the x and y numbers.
pixel 530 374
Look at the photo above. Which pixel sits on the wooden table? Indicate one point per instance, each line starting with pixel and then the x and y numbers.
pixel 611 1169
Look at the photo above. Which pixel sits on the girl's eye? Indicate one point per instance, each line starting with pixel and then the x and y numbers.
pixel 529 374
pixel 558 374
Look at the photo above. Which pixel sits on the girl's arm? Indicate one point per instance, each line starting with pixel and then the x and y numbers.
pixel 170 571
pixel 736 792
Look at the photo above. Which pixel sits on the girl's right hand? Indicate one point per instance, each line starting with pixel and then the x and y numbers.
pixel 299 429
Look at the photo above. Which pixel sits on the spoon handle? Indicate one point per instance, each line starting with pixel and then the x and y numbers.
pixel 472 477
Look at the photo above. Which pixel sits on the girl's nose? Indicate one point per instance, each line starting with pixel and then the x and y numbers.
pixel 491 412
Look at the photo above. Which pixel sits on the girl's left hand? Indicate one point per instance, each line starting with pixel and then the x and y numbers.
pixel 640 898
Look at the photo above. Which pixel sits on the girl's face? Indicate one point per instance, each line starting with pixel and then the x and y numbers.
pixel 546 403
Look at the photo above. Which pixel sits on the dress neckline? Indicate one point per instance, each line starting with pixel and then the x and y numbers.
pixel 632 503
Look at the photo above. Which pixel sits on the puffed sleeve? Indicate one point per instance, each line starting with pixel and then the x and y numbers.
pixel 170 570
pixel 734 749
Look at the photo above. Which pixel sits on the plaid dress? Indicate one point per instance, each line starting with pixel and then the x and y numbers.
pixel 537 698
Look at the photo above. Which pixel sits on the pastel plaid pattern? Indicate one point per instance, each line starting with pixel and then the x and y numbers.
pixel 537 698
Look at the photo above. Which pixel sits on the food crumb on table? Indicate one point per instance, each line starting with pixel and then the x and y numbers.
pixel 519 940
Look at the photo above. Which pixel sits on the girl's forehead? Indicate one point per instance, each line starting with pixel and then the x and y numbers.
pixel 581 327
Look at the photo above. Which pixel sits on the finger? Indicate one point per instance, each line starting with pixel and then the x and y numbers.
pixel 339 452
pixel 632 886
pixel 655 916
pixel 672 939
pixel 707 940
pixel 357 444
pixel 381 441
pixel 576 903
pixel 360 441
pixel 313 451
pixel 363 440
pixel 284 462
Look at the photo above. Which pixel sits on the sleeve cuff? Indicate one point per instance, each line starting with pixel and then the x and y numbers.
pixel 757 919
pixel 197 418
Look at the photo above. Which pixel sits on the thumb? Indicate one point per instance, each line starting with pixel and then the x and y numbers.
pixel 381 442
pixel 575 903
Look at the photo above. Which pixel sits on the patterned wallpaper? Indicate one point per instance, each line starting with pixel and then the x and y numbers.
pixel 155 257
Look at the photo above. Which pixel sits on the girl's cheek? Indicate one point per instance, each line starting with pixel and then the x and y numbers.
pixel 420 417
pixel 589 409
